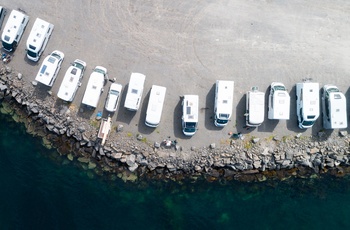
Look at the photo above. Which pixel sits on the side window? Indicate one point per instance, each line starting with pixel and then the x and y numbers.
pixel 24 19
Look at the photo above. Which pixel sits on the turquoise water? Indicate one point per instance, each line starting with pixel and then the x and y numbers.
pixel 38 192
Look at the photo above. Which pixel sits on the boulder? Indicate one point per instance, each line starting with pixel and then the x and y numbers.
pixel 130 160
pixel 133 167
pixel 212 146
pixel 256 140
pixel 120 128
pixel 343 133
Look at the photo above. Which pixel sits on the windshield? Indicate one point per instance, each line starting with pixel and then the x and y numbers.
pixel 100 71
pixel 7 46
pixel 190 127
pixel 114 92
pixel 56 55
pixel 220 121
pixel 79 66
pixel 32 54
pixel 308 123
pixel 279 87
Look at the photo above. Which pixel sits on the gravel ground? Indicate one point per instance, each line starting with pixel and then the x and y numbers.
pixel 186 46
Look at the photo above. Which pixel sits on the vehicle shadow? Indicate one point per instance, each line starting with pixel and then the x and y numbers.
pixel 240 118
pixel 209 110
pixel 124 115
pixel 41 91
pixel 178 121
pixel 85 111
pixel 292 123
pixel 268 125
pixel 142 128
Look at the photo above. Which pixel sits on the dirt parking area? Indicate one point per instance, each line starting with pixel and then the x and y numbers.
pixel 187 45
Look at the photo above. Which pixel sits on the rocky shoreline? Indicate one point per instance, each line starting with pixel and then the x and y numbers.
pixel 132 157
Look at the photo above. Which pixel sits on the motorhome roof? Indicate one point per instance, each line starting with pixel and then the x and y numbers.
pixel 311 96
pixel 37 34
pixel 224 97
pixel 48 67
pixel 12 26
pixel 256 107
pixel 155 104
pixel 69 84
pixel 338 110
pixel 135 90
pixel 281 104
pixel 93 89
pixel 190 107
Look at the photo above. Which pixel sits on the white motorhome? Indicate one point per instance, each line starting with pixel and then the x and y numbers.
pixel 255 107
pixel 49 68
pixel 307 103
pixel 155 106
pixel 279 102
pixel 135 89
pixel 94 87
pixel 113 97
pixel 223 102
pixel 38 38
pixel 189 114
pixel 13 31
pixel 71 81
pixel 333 108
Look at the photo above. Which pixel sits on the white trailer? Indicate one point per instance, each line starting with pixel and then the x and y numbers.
pixel 49 68
pixel 333 108
pixel 94 87
pixel 307 103
pixel 189 114
pixel 71 81
pixel 135 90
pixel 38 38
pixel 279 102
pixel 13 30
pixel 255 107
pixel 223 102
pixel 155 106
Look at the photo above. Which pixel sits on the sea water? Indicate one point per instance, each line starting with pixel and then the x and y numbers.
pixel 40 192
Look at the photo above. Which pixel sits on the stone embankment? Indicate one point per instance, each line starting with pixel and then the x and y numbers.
pixel 130 156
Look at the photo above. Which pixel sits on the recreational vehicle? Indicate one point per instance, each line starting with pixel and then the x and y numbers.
pixel 113 97
pixel 71 81
pixel 307 103
pixel 49 68
pixel 189 114
pixel 38 38
pixel 255 104
pixel 223 102
pixel 155 106
pixel 94 87
pixel 13 30
pixel 135 89
pixel 279 102
pixel 333 108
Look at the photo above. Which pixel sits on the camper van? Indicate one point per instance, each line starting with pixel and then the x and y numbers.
pixel 71 81
pixel 49 68
pixel 223 102
pixel 13 30
pixel 255 107
pixel 38 38
pixel 94 87
pixel 135 89
pixel 155 106
pixel 307 103
pixel 279 102
pixel 333 108
pixel 189 114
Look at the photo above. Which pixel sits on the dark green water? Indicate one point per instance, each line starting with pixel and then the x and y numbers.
pixel 40 193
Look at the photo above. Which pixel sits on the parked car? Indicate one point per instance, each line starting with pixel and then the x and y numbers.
pixel 113 97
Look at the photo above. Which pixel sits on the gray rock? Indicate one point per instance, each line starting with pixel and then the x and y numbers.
pixel 343 133
pixel 116 156
pixel 120 128
pixel 256 140
pixel 193 148
pixel 171 167
pixel 156 144
pixel 19 76
pixel 139 137
pixel 8 69
pixel 101 152
pixel 133 167
pixel 298 135
pixel 212 146
pixel 3 87
pixel 130 160
pixel 276 138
